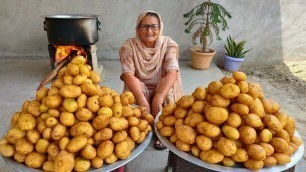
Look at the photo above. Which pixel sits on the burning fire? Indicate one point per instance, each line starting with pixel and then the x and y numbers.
pixel 63 52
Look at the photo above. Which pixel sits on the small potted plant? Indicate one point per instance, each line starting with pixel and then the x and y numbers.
pixel 235 54
pixel 211 19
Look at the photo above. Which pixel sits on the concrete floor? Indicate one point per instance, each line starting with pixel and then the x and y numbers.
pixel 20 77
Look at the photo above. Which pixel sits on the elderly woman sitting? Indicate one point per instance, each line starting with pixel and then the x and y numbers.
pixel 150 67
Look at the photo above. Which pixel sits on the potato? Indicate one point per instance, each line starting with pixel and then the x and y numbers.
pixel 265 135
pixel 270 161
pixel 52 91
pixel 67 119
pixel 76 144
pixel 226 146
pixel 216 115
pixel 257 108
pixel 7 150
pixel 254 89
pixel 82 128
pixel 122 150
pixel 284 135
pixel 199 93
pixel 127 111
pixel 70 91
pixel 52 150
pixel 23 146
pixel 270 106
pixel 53 101
pixel 51 122
pixel 48 166
pixel 239 76
pixel 33 108
pixel 230 132
pixel 89 89
pixel 26 122
pixel 229 91
pixel 106 111
pixel 245 99
pixel 169 109
pixel 119 136
pixel 281 158
pixel 233 120
pixel 294 146
pixel 247 134
pixel 148 117
pixel 41 126
pixel 240 109
pixel 63 143
pixel 243 86
pixel 14 134
pixel 219 101
pixel 279 144
pixel 64 161
pixel 137 112
pixel 73 69
pixel 170 120
pixel 94 77
pixel 167 131
pixel 70 105
pixel 111 159
pixel 134 133
pixel 105 149
pixel 253 120
pixel 228 79
pixel 198 106
pixel 211 156
pixel 41 93
pixel 241 155
pixel 186 101
pixel 178 122
pixel 88 152
pixel 290 126
pixel 97 162
pixel 195 150
pixel 282 117
pixel 58 131
pixel 100 122
pixel 84 69
pixel 204 143
pixel 117 109
pixel 185 134
pixel 296 140
pixel 253 164
pixel 143 125
pixel 182 146
pixel 42 145
pixel 3 141
pixel 19 157
pixel 238 143
pixel 81 101
pixel 214 87
pixel 93 104
pixel 227 161
pixel 208 129
pixel 180 113
pixel 133 121
pixel 257 152
pixel 272 123
pixel 193 119
pixel 290 150
pixel 104 134
pixel 35 159
pixel 54 113
pixel 173 138
pixel 127 98
pixel 118 123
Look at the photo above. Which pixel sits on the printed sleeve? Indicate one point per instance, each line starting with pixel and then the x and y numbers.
pixel 171 61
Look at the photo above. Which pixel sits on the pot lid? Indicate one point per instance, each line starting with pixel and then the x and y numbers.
pixel 70 16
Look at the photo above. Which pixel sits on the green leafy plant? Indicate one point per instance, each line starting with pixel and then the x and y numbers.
pixel 210 17
pixel 235 49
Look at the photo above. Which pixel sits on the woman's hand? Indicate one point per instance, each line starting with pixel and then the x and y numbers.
pixel 157 103
pixel 144 103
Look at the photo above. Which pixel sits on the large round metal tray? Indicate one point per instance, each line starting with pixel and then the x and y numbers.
pixel 137 150
pixel 217 167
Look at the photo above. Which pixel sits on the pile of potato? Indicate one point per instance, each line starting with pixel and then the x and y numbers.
pixel 230 121
pixel 75 124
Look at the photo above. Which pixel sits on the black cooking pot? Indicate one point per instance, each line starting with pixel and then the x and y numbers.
pixel 72 29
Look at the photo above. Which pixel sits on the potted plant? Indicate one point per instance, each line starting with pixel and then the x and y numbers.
pixel 210 18
pixel 235 54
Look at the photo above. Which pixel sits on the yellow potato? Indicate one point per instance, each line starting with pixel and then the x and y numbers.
pixel 35 159
pixel 170 120
pixel 173 139
pixel 41 93
pixel 290 126
pixel 199 93
pixel 284 135
pixel 240 109
pixel 58 83
pixel 253 120
pixel 182 146
pixel 270 161
pixel 94 77
pixel 26 122
pixel 89 152
pixel 257 108
pixel 216 115
pixel 68 79
pixel 100 122
pixel 53 101
pixel 111 159
pixel 33 108
pixel 14 134
pixel 297 141
pixel 247 134
pixel 134 133
pixel 186 101
pixel 279 144
pixel 118 123
pixel 208 129
pixel 257 152
pixel 241 155
pixel 133 121
pixel 193 119
pixel 122 150
pixel 105 149
pixel 228 79
pixel 234 120
pixel 185 134
pixel 227 161
pixel 195 150
pixel 82 128
pixel 167 131
pixel 127 111
pixel 243 86
pixel 229 91
pixel 70 91
pixel 272 123
pixel 226 146
pixel 67 119
pixel 281 158
pixel 7 150
pixel 253 164
pixel 19 157
pixel 89 89
pixel 58 131
pixel 93 104
pixel 239 76
pixel 214 87
pixel 203 143
pixel 265 135
pixel 143 125
pixel 23 146
pixel 117 109
pixel 211 156
pixel 97 162
pixel 104 134
pixel 270 106
pixel 254 89
pixel 119 136
pixel 245 99
pixel 282 117
pixel 230 132
pixel 180 113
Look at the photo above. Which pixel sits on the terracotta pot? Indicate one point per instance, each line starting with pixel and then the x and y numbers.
pixel 200 60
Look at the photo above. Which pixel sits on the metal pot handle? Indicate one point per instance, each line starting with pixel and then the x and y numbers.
pixel 99 24
pixel 45 26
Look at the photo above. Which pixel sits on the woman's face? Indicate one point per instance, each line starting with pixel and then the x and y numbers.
pixel 148 29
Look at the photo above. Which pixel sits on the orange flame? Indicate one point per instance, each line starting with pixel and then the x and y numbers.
pixel 63 52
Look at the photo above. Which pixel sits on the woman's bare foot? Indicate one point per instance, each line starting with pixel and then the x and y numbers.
pixel 159 145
